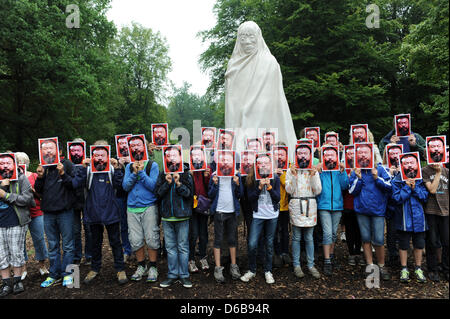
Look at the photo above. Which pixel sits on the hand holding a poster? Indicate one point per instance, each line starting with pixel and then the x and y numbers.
pixel 114 163
pixel 176 178
pixel 40 171
pixel 394 139
pixel 60 168
pixel 358 173
pixel 169 178
pixel 294 171
pixel 374 173
pixel 215 179
pixel 411 183
pixel 86 162
pixel 236 180
pixel 412 140
pixel 5 182
pixel 207 172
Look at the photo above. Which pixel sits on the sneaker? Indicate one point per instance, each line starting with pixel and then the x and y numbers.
pixel 384 273
pixel 88 261
pixel 314 272
pixel 90 276
pixel 277 261
pixel 186 282
pixel 404 275
pixel 343 238
pixel 67 281
pixel 204 264
pixel 420 277
pixel 434 276
pixel 234 272
pixel 18 288
pixel 122 277
pixel 167 282
pixel 361 261
pixel 298 272
pixel 7 287
pixel 328 269
pixel 152 274
pixel 248 275
pixel 286 259
pixel 126 258
pixel 192 267
pixel 140 272
pixel 352 260
pixel 50 282
pixel 269 277
pixel 43 271
pixel 24 275
pixel 218 275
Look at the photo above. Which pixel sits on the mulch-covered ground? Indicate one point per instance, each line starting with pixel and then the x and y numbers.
pixel 346 283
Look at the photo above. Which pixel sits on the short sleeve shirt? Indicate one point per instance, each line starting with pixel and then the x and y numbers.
pixel 437 204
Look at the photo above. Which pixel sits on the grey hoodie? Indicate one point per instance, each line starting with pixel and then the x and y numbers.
pixel 20 197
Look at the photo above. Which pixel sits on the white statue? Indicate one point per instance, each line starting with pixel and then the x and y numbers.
pixel 254 95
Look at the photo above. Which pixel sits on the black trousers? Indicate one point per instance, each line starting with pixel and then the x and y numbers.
pixel 436 237
pixel 352 233
pixel 114 241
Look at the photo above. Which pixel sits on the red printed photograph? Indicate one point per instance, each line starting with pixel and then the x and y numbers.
pixel 313 133
pixel 48 151
pixel 332 138
pixel 359 133
pixel 268 140
pixel 226 163
pixel 263 166
pixel 225 139
pixel 364 155
pixel 209 137
pixel 8 167
pixel 392 152
pixel 255 144
pixel 100 158
pixel 402 124
pixel 330 158
pixel 173 159
pixel 281 157
pixel 410 166
pixel 23 168
pixel 436 149
pixel 138 148
pixel 197 158
pixel 303 156
pixel 76 152
pixel 160 134
pixel 349 153
pixel 247 161
pixel 122 149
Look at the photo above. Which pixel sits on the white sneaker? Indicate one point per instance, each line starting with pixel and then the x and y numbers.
pixel 43 271
pixel 343 238
pixel 248 275
pixel 140 272
pixel 24 275
pixel 204 264
pixel 192 267
pixel 269 277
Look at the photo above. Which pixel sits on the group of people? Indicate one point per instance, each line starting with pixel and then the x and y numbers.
pixel 134 200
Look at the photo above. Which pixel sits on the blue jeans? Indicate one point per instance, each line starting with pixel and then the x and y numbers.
pixel 36 227
pixel 59 226
pixel 372 229
pixel 309 244
pixel 330 222
pixel 78 249
pixel 124 226
pixel 269 226
pixel 176 237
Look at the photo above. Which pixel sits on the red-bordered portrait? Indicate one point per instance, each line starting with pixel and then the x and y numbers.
pixel 100 158
pixel 76 152
pixel 436 149
pixel 410 166
pixel 48 151
pixel 8 167
pixel 160 134
pixel 226 163
pixel 173 159
pixel 330 158
pixel 138 148
pixel 263 165
pixel 197 158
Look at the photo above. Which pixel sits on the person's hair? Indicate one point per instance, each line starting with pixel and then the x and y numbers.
pixel 410 155
pixel 403 117
pixel 207 129
pixel 172 147
pixel 255 139
pixel 260 156
pixel 365 145
pixel 7 155
pixel 78 139
pixel 251 180
pixel 280 143
pixel 302 133
pixel 329 147
pixel 101 142
pixel 75 144
pixel 159 125
pixel 100 148
pixel 308 146
pixel 226 132
pixel 436 138
pixel 22 158
pixel 359 126
pixel 136 137
pixel 50 140
pixel 196 147
pixel 370 137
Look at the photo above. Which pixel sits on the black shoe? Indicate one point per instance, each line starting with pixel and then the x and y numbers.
pixel 7 287
pixel 168 282
pixel 76 261
pixel 385 274
pixel 327 269
pixel 434 276
pixel 277 261
pixel 18 288
pixel 186 282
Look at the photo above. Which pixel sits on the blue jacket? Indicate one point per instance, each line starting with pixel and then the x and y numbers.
pixel 213 194
pixel 371 196
pixel 100 206
pixel 254 192
pixel 409 214
pixel 140 186
pixel 333 184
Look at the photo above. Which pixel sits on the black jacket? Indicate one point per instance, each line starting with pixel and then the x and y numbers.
pixel 57 191
pixel 175 201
